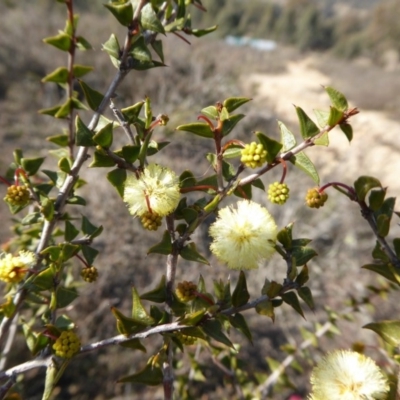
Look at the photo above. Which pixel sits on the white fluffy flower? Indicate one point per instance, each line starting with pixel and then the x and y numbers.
pixel 155 190
pixel 347 375
pixel 243 236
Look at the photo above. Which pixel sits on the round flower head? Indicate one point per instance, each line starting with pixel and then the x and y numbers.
pixel 155 190
pixel 243 236
pixel 347 375
pixel 14 268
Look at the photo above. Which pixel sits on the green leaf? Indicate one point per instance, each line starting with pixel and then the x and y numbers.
pixel 303 276
pixel 131 113
pixel 164 247
pixel 117 178
pixel 104 137
pixel 89 253
pixel 32 165
pixel 68 251
pixel 70 232
pixel 111 47
pixel 125 325
pixel 396 245
pixel 47 209
pixel 82 44
pixel 190 253
pixel 52 111
pixel 306 295
pixel 59 75
pixel 198 128
pixel 240 295
pixel 93 97
pixel 233 103
pixel 272 147
pixel 88 228
pixel 287 138
pixel 149 20
pixel 101 160
pixel 158 294
pixel 53 251
pixel 322 117
pixel 63 323
pixel 84 136
pixel 81 70
pixel 285 236
pixel 291 299
pixel 308 128
pixel 335 116
pixel 122 12
pixel 157 46
pixel 202 32
pixel 130 153
pixel 187 179
pixel 239 322
pixel 194 318
pixel 230 123
pixel 210 112
pixel 300 160
pixel 266 308
pixel 364 184
pixel 44 280
pixel 384 270
pixel 60 140
pixel 376 198
pixel 64 165
pixel 65 296
pixel 150 376
pixel 303 254
pixel 383 225
pixel 139 50
pixel 62 41
pixel 233 151
pixel 139 313
pixel 347 129
pixel 389 331
pixel 338 100
pixel 213 328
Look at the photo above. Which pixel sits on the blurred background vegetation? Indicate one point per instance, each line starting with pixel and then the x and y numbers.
pixel 356 43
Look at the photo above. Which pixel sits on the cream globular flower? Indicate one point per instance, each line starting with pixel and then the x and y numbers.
pixel 243 236
pixel 347 375
pixel 155 190
pixel 13 268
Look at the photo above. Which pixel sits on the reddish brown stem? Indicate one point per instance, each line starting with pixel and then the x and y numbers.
pixel 197 188
pixel 5 181
pixel 284 166
pixel 350 190
pixel 203 117
pixel 204 297
pixel 83 261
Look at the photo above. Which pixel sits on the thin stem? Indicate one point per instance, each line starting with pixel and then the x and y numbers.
pixel 168 374
pixel 122 121
pixel 70 79
pixel 284 172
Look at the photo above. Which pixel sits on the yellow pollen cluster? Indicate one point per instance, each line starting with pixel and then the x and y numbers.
pixel 17 195
pixel 254 155
pixel 186 291
pixel 67 345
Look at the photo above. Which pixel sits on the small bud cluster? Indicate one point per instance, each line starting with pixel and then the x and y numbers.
pixel 278 193
pixel 186 339
pixel 150 220
pixel 254 155
pixel 186 291
pixel 89 274
pixel 315 199
pixel 17 195
pixel 67 345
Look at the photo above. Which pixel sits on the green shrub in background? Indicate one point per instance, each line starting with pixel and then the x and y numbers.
pixel 38 265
